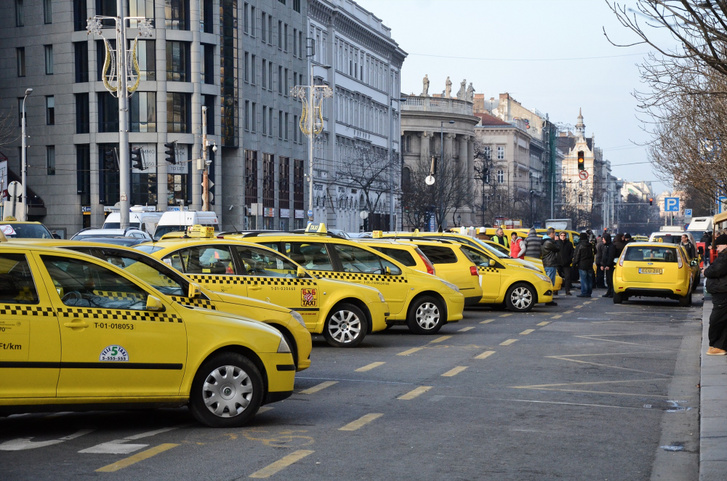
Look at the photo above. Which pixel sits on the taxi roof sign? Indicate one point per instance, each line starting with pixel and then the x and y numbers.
pixel 205 231
pixel 377 234
pixel 319 228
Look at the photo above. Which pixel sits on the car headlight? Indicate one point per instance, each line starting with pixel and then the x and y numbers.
pixel 450 285
pixel 381 297
pixel 544 278
pixel 298 318
pixel 283 346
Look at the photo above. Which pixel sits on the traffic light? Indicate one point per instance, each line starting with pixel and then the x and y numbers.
pixel 171 151
pixel 136 162
pixel 651 201
pixel 581 160
pixel 109 160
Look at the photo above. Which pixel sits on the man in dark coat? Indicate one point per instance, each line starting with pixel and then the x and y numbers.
pixel 607 263
pixel 549 253
pixel 600 281
pixel 566 255
pixel 583 261
pixel 533 243
pixel 716 275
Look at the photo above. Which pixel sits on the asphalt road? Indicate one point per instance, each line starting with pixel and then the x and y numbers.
pixel 587 390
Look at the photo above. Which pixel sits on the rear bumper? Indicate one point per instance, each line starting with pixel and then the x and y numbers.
pixel 645 292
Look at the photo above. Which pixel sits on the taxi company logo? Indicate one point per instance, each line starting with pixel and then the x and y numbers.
pixel 114 353
pixel 309 297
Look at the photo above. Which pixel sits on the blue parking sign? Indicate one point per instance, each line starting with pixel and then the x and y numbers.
pixel 671 204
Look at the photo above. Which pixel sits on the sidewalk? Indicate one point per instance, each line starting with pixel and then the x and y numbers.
pixel 712 409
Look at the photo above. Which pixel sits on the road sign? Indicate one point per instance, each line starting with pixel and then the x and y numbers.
pixel 722 204
pixel 671 204
pixel 583 174
pixel 687 212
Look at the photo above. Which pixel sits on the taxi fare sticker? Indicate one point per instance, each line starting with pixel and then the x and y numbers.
pixel 114 353
pixel 309 298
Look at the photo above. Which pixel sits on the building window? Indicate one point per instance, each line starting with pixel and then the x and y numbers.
pixel 79 15
pixel 19 17
pixel 208 65
pixel 176 14
pixel 50 160
pixel 146 58
pixel 265 123
pixel 207 15
pixel 253 70
pixel 246 124
pixel 500 177
pixel 500 152
pixel 284 182
pixel 50 110
pixel 177 61
pixel 83 123
pixel 20 56
pixel 142 112
pixel 83 173
pixel 178 108
pixel 487 152
pixel 141 8
pixel 268 180
pixel 80 57
pixel 108 112
pixel 48 59
pixel 296 5
pixel 263 27
pixel 246 68
pixel 47 12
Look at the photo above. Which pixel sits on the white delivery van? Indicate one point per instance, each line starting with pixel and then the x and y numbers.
pixel 178 221
pixel 139 218
pixel 699 225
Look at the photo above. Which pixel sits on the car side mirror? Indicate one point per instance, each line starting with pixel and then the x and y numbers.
pixel 154 304
pixel 491 263
pixel 193 290
pixel 301 272
pixel 387 270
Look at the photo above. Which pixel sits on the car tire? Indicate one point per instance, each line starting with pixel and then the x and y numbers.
pixel 520 297
pixel 686 301
pixel 346 326
pixel 426 315
pixel 227 391
pixel 618 297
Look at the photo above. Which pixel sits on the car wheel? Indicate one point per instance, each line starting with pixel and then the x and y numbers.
pixel 227 391
pixel 618 297
pixel 346 326
pixel 426 315
pixel 686 301
pixel 520 298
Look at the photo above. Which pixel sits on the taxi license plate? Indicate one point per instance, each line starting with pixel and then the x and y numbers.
pixel 650 270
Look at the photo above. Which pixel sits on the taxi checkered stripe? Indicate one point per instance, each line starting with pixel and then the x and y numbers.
pixel 359 276
pixel 24 310
pixel 117 296
pixel 186 301
pixel 487 269
pixel 266 281
pixel 117 315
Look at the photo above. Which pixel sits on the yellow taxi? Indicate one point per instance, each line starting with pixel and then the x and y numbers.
pixel 343 313
pixel 421 301
pixel 447 260
pixel 516 283
pixel 174 284
pixel 12 228
pixel 654 269
pixel 77 333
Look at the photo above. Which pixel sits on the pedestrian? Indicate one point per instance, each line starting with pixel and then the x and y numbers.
pixel 583 261
pixel 607 262
pixel 707 240
pixel 716 285
pixel 627 238
pixel 500 238
pixel 533 243
pixel 517 248
pixel 619 243
pixel 549 254
pixel 600 275
pixel 688 246
pixel 566 256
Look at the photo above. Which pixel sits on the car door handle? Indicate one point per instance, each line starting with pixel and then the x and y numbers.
pixel 76 324
pixel 254 288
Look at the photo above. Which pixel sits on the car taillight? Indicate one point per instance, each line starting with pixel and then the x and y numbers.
pixel 621 260
pixel 473 271
pixel 428 263
pixel 679 259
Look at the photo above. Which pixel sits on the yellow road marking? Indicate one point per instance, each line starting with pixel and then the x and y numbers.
pixel 544 323
pixel 439 339
pixel 318 387
pixel 362 421
pixel 414 393
pixel 126 462
pixel 465 329
pixel 506 315
pixel 579 306
pixel 487 321
pixel 569 312
pixel 454 371
pixel 369 367
pixel 281 464
pixel 485 355
pixel 557 316
pixel 410 351
pixel 527 331
pixel 508 342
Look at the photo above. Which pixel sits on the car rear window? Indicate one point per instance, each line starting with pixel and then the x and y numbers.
pixel 651 254
pixel 400 255
pixel 439 255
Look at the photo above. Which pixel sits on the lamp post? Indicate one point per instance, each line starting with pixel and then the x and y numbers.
pixel 23 156
pixel 116 77
pixel 392 176
pixel 440 187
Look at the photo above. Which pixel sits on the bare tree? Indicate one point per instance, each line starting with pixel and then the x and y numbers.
pixel 369 173
pixel 8 133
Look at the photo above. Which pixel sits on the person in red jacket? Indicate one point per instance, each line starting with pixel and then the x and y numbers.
pixel 517 249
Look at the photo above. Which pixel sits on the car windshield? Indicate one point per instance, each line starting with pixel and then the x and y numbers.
pixel 34 231
pixel 496 252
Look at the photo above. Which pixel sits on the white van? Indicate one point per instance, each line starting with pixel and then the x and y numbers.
pixel 178 221
pixel 138 219
pixel 699 225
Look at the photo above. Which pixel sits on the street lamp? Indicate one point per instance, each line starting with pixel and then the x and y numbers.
pixel 392 224
pixel 440 187
pixel 23 154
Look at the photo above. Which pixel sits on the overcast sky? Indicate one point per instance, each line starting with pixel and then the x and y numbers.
pixel 549 55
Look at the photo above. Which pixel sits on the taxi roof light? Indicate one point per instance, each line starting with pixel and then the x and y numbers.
pixel 319 228
pixel 201 231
